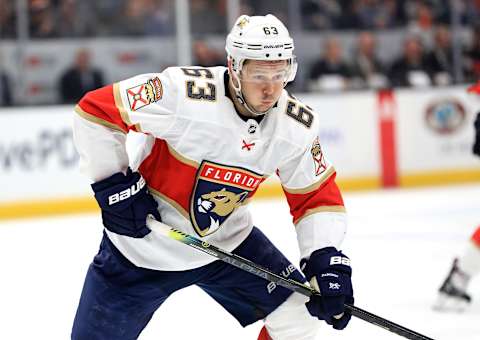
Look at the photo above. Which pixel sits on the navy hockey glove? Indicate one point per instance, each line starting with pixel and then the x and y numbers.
pixel 328 271
pixel 125 203
pixel 476 145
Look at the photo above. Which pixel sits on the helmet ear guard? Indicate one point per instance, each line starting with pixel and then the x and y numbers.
pixel 293 70
pixel 237 85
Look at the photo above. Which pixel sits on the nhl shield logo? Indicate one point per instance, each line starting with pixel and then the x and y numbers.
pixel 218 191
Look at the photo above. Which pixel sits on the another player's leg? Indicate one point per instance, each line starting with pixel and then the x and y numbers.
pixel 250 298
pixel 453 291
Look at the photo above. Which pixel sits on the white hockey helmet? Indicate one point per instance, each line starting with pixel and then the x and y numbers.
pixel 259 38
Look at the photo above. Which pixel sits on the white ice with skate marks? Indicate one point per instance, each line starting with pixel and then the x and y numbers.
pixel 401 244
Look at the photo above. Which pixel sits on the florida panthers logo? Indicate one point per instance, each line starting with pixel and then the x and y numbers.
pixel 219 190
pixel 221 202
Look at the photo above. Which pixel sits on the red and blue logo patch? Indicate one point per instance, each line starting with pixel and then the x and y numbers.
pixel 219 190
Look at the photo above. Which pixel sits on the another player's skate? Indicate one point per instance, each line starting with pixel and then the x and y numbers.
pixel 452 295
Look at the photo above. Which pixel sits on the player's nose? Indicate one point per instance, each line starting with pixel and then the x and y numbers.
pixel 268 88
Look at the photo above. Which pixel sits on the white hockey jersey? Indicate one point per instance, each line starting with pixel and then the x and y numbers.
pixel 203 162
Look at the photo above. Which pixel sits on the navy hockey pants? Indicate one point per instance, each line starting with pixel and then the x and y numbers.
pixel 119 299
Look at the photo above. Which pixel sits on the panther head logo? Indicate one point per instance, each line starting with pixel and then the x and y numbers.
pixel 150 93
pixel 316 150
pixel 243 22
pixel 221 202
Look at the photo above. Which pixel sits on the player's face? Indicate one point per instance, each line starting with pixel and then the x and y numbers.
pixel 263 82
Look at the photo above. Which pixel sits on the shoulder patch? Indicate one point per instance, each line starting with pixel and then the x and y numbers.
pixel 144 94
pixel 318 158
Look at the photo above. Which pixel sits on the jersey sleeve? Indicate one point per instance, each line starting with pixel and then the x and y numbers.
pixel 145 103
pixel 316 203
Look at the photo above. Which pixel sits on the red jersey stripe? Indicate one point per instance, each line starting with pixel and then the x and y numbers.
pixel 176 179
pixel 326 198
pixel 101 104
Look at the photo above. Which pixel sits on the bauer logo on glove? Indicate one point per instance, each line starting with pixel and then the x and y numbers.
pixel 125 194
pixel 339 260
pixel 125 203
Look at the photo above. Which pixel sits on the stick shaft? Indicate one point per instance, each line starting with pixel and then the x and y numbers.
pixel 255 269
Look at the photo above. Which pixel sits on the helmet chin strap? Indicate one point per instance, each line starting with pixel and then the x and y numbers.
pixel 241 99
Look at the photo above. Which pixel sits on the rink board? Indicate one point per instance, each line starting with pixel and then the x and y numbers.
pixel 38 160
pixel 430 139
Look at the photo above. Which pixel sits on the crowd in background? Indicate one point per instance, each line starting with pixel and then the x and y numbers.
pixel 384 14
pixel 418 64
pixel 86 18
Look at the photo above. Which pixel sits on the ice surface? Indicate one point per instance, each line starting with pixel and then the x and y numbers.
pixel 401 243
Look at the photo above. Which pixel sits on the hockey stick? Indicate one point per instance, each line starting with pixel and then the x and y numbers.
pixel 293 285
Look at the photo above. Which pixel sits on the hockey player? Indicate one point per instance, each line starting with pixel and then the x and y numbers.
pixel 213 136
pixel 453 292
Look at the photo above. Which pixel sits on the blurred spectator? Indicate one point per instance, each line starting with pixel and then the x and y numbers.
pixel 367 69
pixel 7 19
pixel 138 18
pixel 352 14
pixel 472 57
pixel 42 23
pixel 320 14
pixel 104 14
pixel 440 59
pixel 133 18
pixel 79 79
pixel 145 17
pixel 330 72
pixel 70 20
pixel 246 8
pixel 376 14
pixel 472 12
pixel 205 17
pixel 409 69
pixel 67 19
pixel 161 20
pixel 279 8
pixel 5 87
pixel 421 17
pixel 206 56
pixel 5 90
